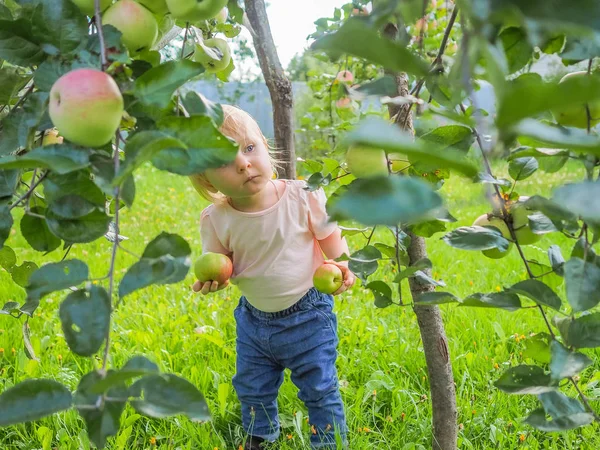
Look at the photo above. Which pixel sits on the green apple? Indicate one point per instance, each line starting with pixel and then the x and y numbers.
pixel 213 267
pixel 364 162
pixel 194 10
pixel 519 213
pixel 137 24
pixel 87 6
pixel 214 55
pixel 576 115
pixel 399 162
pixel 222 16
pixel 51 137
pixel 158 7
pixel 488 220
pixel 328 278
pixel 86 106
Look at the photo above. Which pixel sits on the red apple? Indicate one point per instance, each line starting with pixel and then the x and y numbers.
pixel 213 267
pixel 345 76
pixel 86 106
pixel 328 278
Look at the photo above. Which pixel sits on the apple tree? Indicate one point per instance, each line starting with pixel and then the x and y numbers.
pixel 86 98
pixel 438 54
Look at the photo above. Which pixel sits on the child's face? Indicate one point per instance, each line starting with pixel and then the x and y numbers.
pixel 248 173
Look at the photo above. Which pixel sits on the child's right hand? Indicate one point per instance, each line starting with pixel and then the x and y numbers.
pixel 208 286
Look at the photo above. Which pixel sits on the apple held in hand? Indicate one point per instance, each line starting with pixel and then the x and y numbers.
pixel 576 115
pixel 486 220
pixel 87 6
pixel 213 267
pixel 214 55
pixel 194 10
pixel 136 23
pixel 364 162
pixel 86 106
pixel 328 278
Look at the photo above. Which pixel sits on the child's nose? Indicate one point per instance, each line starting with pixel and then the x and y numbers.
pixel 242 163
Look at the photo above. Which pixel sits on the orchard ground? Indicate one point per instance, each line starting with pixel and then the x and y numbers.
pixel 381 363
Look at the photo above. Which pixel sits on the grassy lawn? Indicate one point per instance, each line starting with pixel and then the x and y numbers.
pixel 381 363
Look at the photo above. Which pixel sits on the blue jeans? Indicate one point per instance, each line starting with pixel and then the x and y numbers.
pixel 302 338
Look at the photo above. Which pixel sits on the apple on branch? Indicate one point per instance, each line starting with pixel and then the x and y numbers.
pixel 137 24
pixel 576 115
pixel 88 7
pixel 158 7
pixel 488 220
pixel 520 221
pixel 213 54
pixel 195 10
pixel 51 137
pixel 86 106
pixel 345 76
pixel 364 162
pixel 213 267
pixel 328 278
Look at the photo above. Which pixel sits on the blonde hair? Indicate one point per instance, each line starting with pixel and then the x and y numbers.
pixel 238 125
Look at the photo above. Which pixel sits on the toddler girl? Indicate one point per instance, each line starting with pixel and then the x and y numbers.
pixel 275 232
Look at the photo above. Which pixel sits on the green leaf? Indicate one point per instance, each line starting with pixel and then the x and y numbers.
pixel 365 262
pixel 157 85
pixel 554 44
pixel 543 97
pixel 583 332
pixel 11 82
pixel 561 217
pixel 36 232
pixel 102 418
pixel 544 273
pixel 525 379
pixel 583 284
pixel 557 136
pixel 83 229
pixel 31 400
pixel 537 291
pixel 429 228
pixel 537 347
pixel 19 128
pixel 6 223
pixel 502 300
pixel 55 277
pixel 8 182
pixel 198 105
pixel 386 200
pixel 75 183
pixel 578 48
pixel 8 258
pixel 557 261
pixel 565 363
pixel 566 413
pixel 517 48
pixel 71 207
pixel 581 199
pixel 18 45
pixel 382 293
pixel 421 264
pixel 61 24
pixel 435 298
pixel 137 366
pixel 85 318
pixel 20 274
pixel 167 395
pixel 522 168
pixel 456 136
pixel 60 158
pixel 9 308
pixel 206 147
pixel 165 260
pixel 357 38
pixel 378 133
pixel 477 238
pixel 384 86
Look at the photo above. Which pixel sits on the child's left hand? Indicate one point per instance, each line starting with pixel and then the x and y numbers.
pixel 349 277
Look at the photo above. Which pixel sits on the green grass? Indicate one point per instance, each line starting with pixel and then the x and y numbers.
pixel 381 363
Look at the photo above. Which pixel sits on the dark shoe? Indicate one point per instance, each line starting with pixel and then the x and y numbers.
pixel 254 443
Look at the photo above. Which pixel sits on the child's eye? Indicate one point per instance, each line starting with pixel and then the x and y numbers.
pixel 249 149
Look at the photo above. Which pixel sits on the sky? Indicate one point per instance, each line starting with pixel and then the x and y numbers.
pixel 291 23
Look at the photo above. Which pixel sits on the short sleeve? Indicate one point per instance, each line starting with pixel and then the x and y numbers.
pixel 210 240
pixel 318 219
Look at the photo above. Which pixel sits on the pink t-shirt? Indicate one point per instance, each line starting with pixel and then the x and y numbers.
pixel 275 251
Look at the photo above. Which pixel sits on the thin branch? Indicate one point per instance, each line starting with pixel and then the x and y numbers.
pixel 22 99
pixel 29 191
pixel 98 20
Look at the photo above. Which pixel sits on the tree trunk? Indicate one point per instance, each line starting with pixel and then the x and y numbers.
pixel 433 335
pixel 279 86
